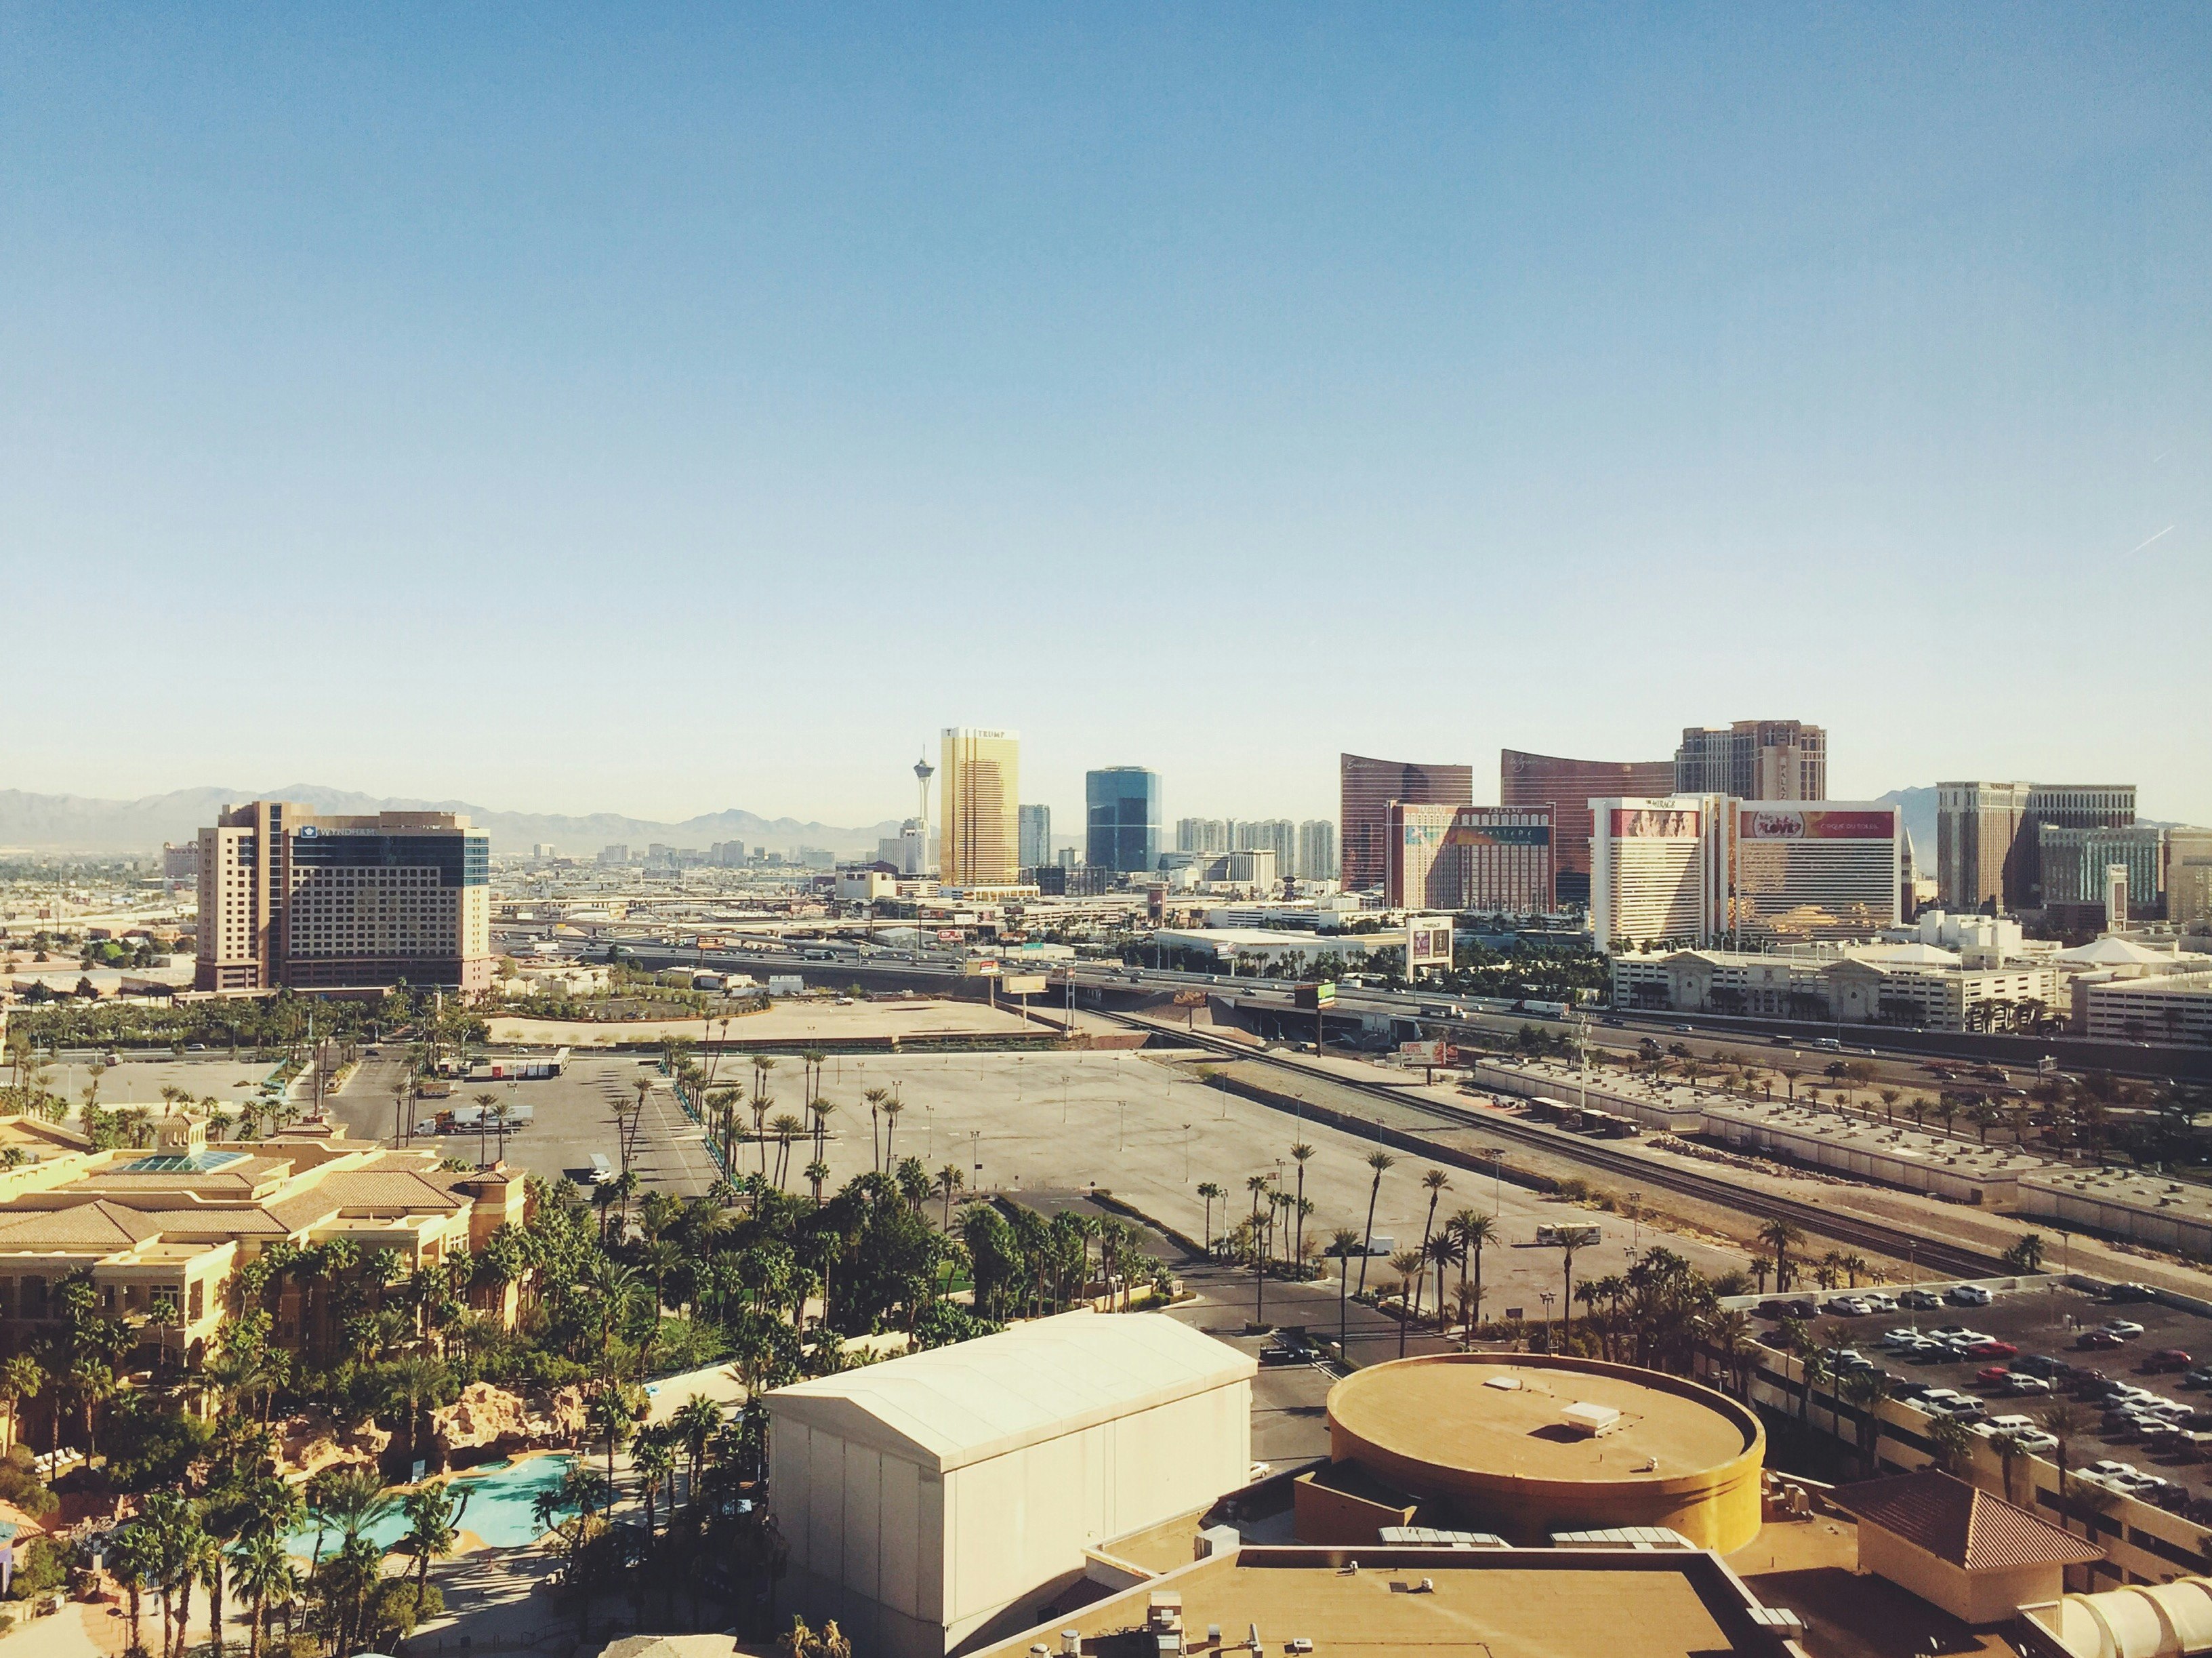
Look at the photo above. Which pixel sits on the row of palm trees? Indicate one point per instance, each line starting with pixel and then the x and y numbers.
pixel 232 1527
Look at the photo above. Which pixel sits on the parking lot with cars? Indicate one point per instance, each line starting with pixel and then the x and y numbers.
pixel 2126 1377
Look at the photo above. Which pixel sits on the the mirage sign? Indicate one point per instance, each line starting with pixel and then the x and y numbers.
pixel 1775 823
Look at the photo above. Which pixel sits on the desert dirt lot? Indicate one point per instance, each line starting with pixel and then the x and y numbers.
pixel 1141 1127
pixel 799 1022
pixel 1146 1130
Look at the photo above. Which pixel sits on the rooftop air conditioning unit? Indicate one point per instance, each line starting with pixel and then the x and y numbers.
pixel 1591 1420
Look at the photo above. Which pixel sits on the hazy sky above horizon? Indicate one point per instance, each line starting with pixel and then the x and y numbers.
pixel 661 411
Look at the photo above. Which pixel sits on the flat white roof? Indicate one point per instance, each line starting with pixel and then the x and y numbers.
pixel 976 1400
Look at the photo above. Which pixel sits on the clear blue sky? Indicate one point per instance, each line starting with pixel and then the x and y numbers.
pixel 664 410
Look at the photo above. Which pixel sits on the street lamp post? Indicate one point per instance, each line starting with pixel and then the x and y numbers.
pixel 1548 1297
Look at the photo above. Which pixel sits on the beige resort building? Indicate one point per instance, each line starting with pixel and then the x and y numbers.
pixel 163 1230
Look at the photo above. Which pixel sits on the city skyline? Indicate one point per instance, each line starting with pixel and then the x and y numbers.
pixel 1562 328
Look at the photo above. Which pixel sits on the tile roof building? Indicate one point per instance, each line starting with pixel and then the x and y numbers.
pixel 162 1232
pixel 1957 1547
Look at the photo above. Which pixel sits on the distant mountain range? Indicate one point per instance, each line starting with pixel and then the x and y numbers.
pixel 77 823
pixel 1917 808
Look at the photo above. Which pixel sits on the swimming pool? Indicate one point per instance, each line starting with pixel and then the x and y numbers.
pixel 502 1499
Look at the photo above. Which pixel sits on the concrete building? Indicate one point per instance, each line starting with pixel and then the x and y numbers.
pixel 1977 828
pixel 180 865
pixel 979 801
pixel 1201 835
pixel 1916 986
pixel 162 1232
pixel 866 883
pixel 1697 868
pixel 943 1497
pixel 1035 836
pixel 1524 1447
pixel 1989 836
pixel 614 855
pixel 1316 850
pixel 1438 1597
pixel 1568 786
pixel 1754 760
pixel 2173 1010
pixel 2072 865
pixel 1264 947
pixel 1122 822
pixel 1365 789
pixel 1812 869
pixel 1276 835
pixel 2188 882
pixel 1649 878
pixel 290 899
pixel 1470 857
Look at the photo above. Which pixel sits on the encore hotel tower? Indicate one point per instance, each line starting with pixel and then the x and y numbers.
pixel 1367 788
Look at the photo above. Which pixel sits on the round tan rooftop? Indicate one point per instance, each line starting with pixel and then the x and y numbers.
pixel 1489 1438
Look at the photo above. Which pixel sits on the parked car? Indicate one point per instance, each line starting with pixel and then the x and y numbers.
pixel 1923 1300
pixel 1903 1336
pixel 2036 1443
pixel 1850 1307
pixel 1991 1349
pixel 2168 1358
pixel 2017 1383
pixel 1968 1295
pixel 2131 1292
pixel 1992 1375
pixel 1879 1302
pixel 2125 1329
pixel 2200 1377
pixel 2094 1340
pixel 2039 1364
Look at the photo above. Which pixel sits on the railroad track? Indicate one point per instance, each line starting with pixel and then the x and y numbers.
pixel 1941 1255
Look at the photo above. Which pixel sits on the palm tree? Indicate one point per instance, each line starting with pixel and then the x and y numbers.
pixel 1950 1446
pixel 1381 1163
pixel 1781 1236
pixel 137 1560
pixel 1864 1391
pixel 950 1180
pixel 1343 1243
pixel 1442 1253
pixel 786 1128
pixel 695 1421
pixel 653 1461
pixel 892 1108
pixel 1736 1345
pixel 433 1522
pixel 1210 1191
pixel 1570 1240
pixel 412 1380
pixel 876 1099
pixel 1409 1265
pixel 1436 1182
pixel 1301 1154
pixel 1473 1232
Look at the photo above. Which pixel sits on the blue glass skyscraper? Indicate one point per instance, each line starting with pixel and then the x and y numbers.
pixel 1122 819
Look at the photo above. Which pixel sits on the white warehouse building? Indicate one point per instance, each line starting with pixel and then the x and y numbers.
pixel 951 1494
